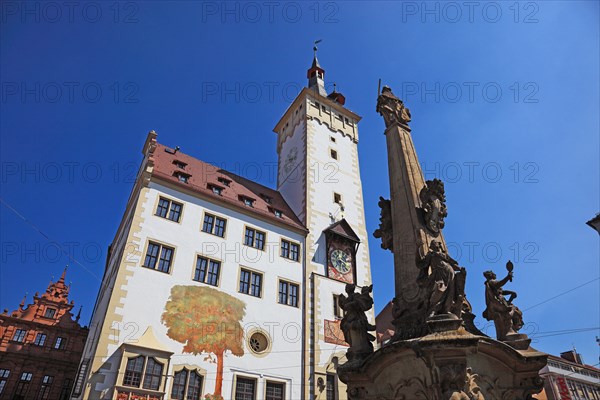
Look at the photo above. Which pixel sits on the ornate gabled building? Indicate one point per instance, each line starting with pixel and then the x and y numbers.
pixel 218 287
pixel 40 346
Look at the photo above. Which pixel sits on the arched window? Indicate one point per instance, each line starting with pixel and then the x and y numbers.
pixel 179 382
pixel 133 371
pixel 194 386
pixel 187 385
pixel 153 375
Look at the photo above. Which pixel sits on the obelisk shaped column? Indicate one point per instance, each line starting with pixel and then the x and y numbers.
pixel 410 236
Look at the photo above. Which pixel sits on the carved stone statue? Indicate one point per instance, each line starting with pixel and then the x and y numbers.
pixel 459 383
pixel 441 275
pixel 433 203
pixel 385 231
pixel 507 317
pixel 355 325
pixel 391 108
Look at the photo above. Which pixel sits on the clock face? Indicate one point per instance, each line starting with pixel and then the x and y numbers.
pixel 340 260
pixel 290 160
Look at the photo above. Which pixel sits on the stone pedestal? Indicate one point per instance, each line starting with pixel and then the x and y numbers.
pixel 451 365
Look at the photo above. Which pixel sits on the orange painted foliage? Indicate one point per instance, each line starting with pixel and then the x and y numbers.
pixel 206 320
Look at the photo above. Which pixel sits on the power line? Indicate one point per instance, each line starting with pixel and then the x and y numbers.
pixel 561 294
pixel 37 229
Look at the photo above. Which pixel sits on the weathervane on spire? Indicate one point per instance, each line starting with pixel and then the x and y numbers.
pixel 315 46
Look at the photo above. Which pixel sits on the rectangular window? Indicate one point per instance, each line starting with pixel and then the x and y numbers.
pixel 4 373
pixel 337 198
pixel 40 339
pixel 209 223
pixel 207 271
pixel 285 249
pixel 19 335
pixel 275 391
pixel 337 311
pixel 23 385
pixel 45 388
pixel 60 343
pixel 168 209
pixel 290 250
pixel 179 164
pixel 224 181
pixel 185 178
pixel 245 389
pixel 254 238
pixel 65 392
pixel 331 389
pixel 158 257
pixel 50 312
pixel 216 189
pixel 250 283
pixel 288 293
pixel 214 225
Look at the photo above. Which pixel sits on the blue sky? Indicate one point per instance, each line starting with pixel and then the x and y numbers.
pixel 504 98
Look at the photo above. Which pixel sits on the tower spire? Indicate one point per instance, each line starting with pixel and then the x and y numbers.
pixel 315 73
pixel 62 277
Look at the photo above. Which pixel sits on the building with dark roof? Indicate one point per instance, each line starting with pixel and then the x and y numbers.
pixel 40 346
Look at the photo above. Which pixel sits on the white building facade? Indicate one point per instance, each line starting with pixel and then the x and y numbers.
pixel 217 286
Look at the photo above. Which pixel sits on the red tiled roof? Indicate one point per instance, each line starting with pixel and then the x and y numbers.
pixel 202 176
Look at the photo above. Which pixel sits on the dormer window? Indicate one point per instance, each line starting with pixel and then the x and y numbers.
pixel 247 201
pixel 278 213
pixel 182 177
pixel 216 189
pixel 50 313
pixel 224 181
pixel 267 199
pixel 179 164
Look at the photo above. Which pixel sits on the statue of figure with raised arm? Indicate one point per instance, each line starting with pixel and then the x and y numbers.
pixel 507 317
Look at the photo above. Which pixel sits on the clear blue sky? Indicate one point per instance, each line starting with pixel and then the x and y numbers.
pixel 504 100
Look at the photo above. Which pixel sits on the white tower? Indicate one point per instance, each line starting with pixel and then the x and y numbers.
pixel 319 177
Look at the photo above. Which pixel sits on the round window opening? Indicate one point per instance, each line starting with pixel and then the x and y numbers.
pixel 258 342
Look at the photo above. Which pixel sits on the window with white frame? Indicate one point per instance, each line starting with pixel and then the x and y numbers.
pixel 245 389
pixel 275 391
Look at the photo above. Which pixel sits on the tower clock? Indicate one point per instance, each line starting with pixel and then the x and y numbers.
pixel 342 244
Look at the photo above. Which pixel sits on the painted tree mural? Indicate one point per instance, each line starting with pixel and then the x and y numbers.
pixel 207 321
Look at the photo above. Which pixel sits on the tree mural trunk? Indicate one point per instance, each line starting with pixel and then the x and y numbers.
pixel 219 382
